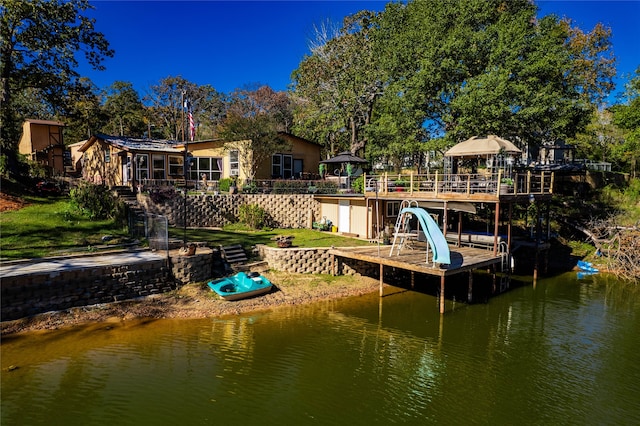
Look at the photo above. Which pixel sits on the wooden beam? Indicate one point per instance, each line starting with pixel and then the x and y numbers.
pixel 495 229
pixel 459 228
pixel 442 294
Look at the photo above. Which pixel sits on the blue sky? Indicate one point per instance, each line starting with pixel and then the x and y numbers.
pixel 229 44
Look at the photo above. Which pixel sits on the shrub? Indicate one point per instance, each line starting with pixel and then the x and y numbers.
pixel 225 183
pixel 358 185
pixel 97 202
pixel 160 196
pixel 252 214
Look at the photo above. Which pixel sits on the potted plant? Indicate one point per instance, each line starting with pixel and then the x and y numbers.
pixel 506 185
pixel 400 185
pixel 283 241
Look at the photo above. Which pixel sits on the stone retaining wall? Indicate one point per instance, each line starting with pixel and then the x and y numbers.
pixel 40 292
pixel 283 210
pixel 196 268
pixel 315 261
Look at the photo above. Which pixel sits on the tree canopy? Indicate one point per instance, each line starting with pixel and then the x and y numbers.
pixel 253 119
pixel 39 40
pixel 401 80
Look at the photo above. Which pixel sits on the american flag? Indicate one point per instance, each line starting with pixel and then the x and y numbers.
pixel 192 126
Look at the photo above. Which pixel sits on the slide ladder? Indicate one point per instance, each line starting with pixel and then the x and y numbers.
pixel 401 229
pixel 434 235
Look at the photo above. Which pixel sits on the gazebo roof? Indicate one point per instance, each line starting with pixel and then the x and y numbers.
pixel 491 145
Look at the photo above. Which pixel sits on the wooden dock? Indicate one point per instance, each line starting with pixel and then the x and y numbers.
pixel 463 259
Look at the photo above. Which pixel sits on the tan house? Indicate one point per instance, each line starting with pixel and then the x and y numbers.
pixel 43 143
pixel 215 159
pixel 114 160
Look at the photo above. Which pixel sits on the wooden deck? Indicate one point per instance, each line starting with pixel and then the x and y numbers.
pixel 462 259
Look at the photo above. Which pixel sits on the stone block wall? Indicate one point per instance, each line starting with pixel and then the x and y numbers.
pixel 39 292
pixel 315 261
pixel 196 268
pixel 208 210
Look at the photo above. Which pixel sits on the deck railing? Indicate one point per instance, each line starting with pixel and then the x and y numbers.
pixel 433 184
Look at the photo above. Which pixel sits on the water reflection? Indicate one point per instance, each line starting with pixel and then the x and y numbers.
pixel 565 351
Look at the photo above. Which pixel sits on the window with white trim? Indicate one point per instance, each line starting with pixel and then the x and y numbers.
pixel 142 167
pixel 234 163
pixel 211 167
pixel 281 166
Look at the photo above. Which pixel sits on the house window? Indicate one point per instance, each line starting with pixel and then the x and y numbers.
pixel 107 154
pixel 211 167
pixel 287 166
pixel 234 164
pixel 159 166
pixel 393 208
pixel 176 166
pixel 276 166
pixel 281 166
pixel 142 167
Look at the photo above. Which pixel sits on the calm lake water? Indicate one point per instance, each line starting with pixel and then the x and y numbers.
pixel 566 351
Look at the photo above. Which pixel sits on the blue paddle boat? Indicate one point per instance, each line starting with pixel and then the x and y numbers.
pixel 586 266
pixel 240 286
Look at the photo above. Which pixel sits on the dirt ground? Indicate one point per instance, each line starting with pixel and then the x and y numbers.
pixel 9 202
pixel 197 301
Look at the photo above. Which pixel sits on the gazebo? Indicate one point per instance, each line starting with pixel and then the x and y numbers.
pixel 498 153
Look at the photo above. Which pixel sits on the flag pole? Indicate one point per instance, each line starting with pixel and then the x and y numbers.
pixel 186 173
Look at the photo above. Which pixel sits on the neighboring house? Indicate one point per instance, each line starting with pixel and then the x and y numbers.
pixel 42 142
pixel 114 160
pixel 556 153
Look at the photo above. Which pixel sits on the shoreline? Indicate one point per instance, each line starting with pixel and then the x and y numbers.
pixel 196 300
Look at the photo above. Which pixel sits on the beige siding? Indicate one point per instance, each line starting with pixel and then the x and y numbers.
pixel 96 170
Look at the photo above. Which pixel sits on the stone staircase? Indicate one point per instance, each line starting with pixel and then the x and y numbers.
pixel 136 214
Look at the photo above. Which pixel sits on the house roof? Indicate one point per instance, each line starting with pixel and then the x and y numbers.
pixel 475 146
pixel 48 122
pixel 134 144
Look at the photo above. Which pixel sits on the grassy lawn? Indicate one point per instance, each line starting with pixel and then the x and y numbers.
pixel 49 226
pixel 238 234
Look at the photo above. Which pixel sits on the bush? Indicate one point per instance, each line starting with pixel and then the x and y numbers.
pixel 160 196
pixel 358 185
pixel 252 214
pixel 225 183
pixel 97 202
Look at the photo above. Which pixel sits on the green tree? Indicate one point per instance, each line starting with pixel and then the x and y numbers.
pixel 39 40
pixel 84 113
pixel 168 113
pixel 254 118
pixel 124 110
pixel 338 85
pixel 427 70
pixel 627 117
